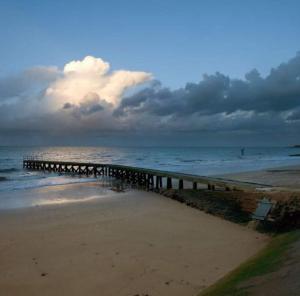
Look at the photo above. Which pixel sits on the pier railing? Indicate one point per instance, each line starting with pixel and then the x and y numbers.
pixel 149 178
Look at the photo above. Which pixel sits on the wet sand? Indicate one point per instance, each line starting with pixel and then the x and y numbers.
pixel 287 177
pixel 132 243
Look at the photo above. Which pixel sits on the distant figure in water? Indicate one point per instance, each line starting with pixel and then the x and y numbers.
pixel 242 151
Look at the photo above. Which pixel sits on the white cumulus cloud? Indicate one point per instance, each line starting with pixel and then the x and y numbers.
pixel 91 75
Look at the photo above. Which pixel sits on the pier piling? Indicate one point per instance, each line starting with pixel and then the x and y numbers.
pixel 180 184
pixel 195 185
pixel 147 178
pixel 169 183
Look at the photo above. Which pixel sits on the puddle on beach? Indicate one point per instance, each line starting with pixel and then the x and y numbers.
pixel 60 194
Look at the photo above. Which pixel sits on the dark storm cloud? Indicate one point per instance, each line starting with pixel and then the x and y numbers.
pixel 85 108
pixel 155 99
pixel 68 106
pixel 91 104
pixel 277 92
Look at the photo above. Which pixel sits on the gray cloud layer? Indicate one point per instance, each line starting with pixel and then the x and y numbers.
pixel 22 84
pixel 278 92
pixel 251 107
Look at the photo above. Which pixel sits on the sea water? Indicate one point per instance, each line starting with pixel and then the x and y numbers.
pixel 205 161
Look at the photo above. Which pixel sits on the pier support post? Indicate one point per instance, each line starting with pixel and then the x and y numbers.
pixel 144 179
pixel 139 178
pixel 195 185
pixel 147 181
pixel 180 184
pixel 151 182
pixel 157 183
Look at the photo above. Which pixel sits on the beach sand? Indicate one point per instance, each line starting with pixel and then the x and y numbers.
pixel 287 177
pixel 130 243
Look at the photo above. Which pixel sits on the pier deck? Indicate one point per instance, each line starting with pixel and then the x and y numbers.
pixel 149 178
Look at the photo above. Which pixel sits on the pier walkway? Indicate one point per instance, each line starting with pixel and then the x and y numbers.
pixel 148 178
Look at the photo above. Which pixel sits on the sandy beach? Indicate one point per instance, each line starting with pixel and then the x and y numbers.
pixel 286 177
pixel 131 243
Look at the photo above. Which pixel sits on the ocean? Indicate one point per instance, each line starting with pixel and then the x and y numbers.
pixel 205 161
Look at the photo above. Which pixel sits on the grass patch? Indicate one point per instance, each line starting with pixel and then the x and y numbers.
pixel 267 260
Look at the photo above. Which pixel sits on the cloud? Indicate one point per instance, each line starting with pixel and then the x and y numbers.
pixel 90 104
pixel 87 97
pixel 219 103
pixel 91 75
pixel 88 66
pixel 77 93
pixel 278 92
pixel 294 115
pixel 23 84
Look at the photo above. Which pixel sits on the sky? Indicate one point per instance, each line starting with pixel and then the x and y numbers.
pixel 209 72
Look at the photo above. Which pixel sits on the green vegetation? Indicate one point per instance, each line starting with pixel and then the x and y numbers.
pixel 268 260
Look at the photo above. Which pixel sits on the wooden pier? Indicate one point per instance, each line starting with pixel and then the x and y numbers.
pixel 148 178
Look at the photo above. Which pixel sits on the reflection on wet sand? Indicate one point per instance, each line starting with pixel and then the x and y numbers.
pixel 58 194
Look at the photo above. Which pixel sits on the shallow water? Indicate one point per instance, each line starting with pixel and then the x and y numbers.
pixel 55 195
pixel 194 160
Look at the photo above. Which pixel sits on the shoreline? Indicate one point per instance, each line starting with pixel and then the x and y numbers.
pixel 119 245
pixel 285 177
pixel 231 205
